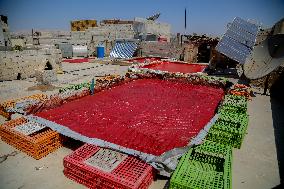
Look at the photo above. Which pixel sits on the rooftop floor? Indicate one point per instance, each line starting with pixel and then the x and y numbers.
pixel 255 165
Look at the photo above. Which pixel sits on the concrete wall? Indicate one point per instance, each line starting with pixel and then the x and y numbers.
pixel 105 34
pixel 24 63
pixel 5 37
pixel 18 42
pixel 144 26
pixel 163 49
pixel 190 53
pixel 46 37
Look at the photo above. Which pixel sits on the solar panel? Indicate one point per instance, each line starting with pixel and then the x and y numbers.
pixel 247 26
pixel 233 49
pixel 238 40
pixel 244 38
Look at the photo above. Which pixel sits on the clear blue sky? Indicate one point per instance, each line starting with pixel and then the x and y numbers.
pixel 204 16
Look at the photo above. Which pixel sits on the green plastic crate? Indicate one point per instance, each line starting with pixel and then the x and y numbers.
pixel 234 103
pixel 213 149
pixel 233 127
pixel 235 100
pixel 233 117
pixel 232 109
pixel 226 138
pixel 229 129
pixel 204 166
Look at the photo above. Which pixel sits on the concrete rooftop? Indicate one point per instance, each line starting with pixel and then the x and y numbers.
pixel 256 165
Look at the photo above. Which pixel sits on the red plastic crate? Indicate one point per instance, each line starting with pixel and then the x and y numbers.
pixel 37 144
pixel 129 173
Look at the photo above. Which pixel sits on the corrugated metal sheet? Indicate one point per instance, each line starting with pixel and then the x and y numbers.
pixel 123 49
pixel 66 50
pixel 238 40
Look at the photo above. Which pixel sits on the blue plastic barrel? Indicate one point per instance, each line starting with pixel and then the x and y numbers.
pixel 100 51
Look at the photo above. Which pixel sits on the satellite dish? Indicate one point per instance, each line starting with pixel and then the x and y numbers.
pixel 268 55
pixel 154 17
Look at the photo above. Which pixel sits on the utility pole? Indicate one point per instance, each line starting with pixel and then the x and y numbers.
pixel 185 21
pixel 184 33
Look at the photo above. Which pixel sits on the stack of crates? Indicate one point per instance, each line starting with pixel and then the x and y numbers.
pixel 97 167
pixel 235 104
pixel 4 113
pixel 231 126
pixel 205 166
pixel 24 102
pixel 30 137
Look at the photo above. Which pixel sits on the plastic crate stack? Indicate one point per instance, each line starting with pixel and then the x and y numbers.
pixel 205 166
pixel 97 167
pixel 241 90
pixel 231 126
pixel 10 105
pixel 235 104
pixel 4 113
pixel 31 138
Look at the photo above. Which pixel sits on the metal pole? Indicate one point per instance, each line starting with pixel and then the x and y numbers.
pixel 184 20
pixel 92 86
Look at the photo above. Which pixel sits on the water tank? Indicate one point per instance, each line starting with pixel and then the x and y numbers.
pixel 100 51
pixel 80 51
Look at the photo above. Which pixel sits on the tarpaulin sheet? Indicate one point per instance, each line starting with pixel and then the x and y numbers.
pixel 123 49
pixel 144 59
pixel 79 60
pixel 176 67
pixel 148 115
